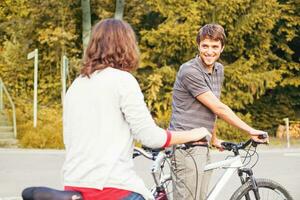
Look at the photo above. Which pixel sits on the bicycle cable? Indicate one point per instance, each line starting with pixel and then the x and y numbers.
pixel 257 158
pixel 170 167
pixel 250 156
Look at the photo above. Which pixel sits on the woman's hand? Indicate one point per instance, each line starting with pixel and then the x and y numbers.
pixel 202 136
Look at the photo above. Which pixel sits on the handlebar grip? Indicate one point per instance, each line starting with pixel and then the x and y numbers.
pixel 263 136
pixel 203 140
pixel 191 144
pixel 153 150
pixel 135 154
pixel 227 145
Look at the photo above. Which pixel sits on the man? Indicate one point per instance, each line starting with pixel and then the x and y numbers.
pixel 196 103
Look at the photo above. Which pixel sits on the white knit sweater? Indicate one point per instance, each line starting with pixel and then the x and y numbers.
pixel 102 116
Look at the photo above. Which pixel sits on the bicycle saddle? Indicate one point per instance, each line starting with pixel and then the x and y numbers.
pixel 45 193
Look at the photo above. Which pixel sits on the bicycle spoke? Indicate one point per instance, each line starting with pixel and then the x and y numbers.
pixel 267 194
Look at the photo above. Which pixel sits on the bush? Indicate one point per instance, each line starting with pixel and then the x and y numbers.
pixel 228 132
pixel 47 134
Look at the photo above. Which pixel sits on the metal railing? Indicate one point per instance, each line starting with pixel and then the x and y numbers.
pixel 3 88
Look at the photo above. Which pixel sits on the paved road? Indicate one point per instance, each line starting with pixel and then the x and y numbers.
pixel 23 168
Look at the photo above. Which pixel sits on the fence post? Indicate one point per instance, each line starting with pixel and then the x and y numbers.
pixel 34 54
pixel 64 73
pixel 1 97
pixel 287 128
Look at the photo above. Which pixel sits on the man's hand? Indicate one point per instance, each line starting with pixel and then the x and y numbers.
pixel 257 136
pixel 215 142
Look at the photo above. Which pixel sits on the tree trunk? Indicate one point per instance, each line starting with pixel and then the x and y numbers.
pixel 86 22
pixel 119 9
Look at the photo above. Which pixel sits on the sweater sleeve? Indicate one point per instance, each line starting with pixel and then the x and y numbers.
pixel 137 115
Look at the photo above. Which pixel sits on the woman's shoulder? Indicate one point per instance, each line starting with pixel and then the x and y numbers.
pixel 111 74
pixel 119 73
pixel 121 77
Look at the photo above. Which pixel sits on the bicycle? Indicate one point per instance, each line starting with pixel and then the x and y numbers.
pixel 251 187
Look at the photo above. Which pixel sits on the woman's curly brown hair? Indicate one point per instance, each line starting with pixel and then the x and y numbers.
pixel 113 44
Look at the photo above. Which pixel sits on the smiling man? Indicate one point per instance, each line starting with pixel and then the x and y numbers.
pixel 196 103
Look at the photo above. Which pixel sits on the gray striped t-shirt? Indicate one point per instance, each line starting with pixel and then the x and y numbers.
pixel 192 80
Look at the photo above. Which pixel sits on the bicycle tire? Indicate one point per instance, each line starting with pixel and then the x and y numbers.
pixel 263 185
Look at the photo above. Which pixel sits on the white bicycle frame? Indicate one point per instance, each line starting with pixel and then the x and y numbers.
pixel 231 165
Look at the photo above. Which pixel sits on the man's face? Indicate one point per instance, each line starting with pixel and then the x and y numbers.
pixel 210 51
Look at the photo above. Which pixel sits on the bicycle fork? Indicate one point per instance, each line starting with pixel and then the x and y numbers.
pixel 160 190
pixel 251 179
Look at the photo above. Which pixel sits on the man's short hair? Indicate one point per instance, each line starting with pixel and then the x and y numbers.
pixel 213 32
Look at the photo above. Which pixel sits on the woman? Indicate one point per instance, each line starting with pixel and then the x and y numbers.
pixel 104 111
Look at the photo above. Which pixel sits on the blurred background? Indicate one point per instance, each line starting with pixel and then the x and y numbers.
pixel 261 58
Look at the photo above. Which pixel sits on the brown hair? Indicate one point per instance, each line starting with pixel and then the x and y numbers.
pixel 213 32
pixel 112 44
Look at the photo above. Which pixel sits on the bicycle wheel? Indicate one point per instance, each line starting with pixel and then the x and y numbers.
pixel 268 190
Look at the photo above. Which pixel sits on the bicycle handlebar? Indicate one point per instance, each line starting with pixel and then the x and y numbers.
pixel 152 153
pixel 236 146
pixel 140 151
pixel 229 146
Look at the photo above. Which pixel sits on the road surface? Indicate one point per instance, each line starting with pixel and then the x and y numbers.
pixel 21 168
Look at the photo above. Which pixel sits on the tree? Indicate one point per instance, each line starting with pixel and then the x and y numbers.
pixel 252 66
pixel 50 26
pixel 41 25
pixel 284 100
pixel 261 56
pixel 119 9
pixel 86 22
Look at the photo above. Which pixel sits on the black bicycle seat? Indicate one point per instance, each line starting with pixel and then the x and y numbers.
pixel 45 193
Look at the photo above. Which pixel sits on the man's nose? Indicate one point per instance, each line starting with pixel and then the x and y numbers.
pixel 209 50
